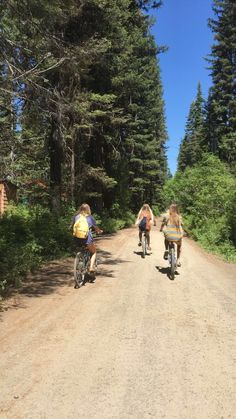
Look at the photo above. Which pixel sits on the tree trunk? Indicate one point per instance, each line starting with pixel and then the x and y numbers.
pixel 73 171
pixel 55 155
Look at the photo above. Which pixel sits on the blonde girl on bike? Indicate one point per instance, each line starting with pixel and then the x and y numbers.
pixel 173 218
pixel 144 220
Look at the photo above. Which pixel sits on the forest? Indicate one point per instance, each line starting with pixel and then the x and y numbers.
pixel 82 119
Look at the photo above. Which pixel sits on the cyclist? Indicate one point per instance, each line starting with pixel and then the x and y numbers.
pixel 173 220
pixel 144 220
pixel 85 210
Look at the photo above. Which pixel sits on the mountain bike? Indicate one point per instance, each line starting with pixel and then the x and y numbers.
pixel 172 260
pixel 81 267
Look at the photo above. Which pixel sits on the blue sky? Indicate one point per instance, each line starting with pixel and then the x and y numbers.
pixel 182 26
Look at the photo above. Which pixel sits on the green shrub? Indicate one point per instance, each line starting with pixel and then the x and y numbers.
pixel 27 237
pixel 206 196
pixel 156 211
pixel 115 219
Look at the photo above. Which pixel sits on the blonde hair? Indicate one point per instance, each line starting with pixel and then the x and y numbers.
pixel 174 215
pixel 146 207
pixel 84 209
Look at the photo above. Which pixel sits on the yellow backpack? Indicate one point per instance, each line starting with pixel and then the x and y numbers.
pixel 81 228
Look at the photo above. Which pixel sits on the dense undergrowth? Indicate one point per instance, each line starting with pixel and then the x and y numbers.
pixel 31 235
pixel 206 194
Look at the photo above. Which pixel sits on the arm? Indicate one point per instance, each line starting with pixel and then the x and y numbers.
pixel 152 217
pixel 138 218
pixel 185 232
pixel 163 223
pixel 95 227
pixel 98 230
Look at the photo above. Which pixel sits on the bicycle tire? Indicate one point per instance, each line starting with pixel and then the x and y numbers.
pixel 172 263
pixel 144 245
pixel 78 270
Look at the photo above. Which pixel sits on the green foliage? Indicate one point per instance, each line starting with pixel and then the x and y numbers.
pixel 27 237
pixel 155 210
pixel 115 219
pixel 90 102
pixel 206 196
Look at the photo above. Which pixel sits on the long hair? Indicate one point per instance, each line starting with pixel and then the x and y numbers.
pixel 146 207
pixel 84 209
pixel 174 215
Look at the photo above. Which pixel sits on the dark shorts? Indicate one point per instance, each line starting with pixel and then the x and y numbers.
pixel 79 242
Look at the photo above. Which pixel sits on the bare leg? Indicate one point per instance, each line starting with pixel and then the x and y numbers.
pixel 179 245
pixel 92 249
pixel 148 238
pixel 178 250
pixel 166 243
pixel 140 235
pixel 92 261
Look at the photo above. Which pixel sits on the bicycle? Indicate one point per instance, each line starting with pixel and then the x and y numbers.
pixel 172 260
pixel 81 266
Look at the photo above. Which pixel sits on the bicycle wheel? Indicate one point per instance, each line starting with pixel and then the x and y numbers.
pixel 172 263
pixel 144 245
pixel 78 270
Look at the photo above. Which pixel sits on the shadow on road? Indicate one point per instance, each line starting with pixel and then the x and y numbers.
pixel 106 259
pixel 165 271
pixel 141 254
pixel 56 275
pixel 47 279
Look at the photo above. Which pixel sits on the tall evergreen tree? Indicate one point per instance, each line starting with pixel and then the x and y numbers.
pixel 221 109
pixel 92 112
pixel 193 144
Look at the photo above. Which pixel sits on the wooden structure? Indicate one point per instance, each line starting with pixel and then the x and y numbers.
pixel 7 193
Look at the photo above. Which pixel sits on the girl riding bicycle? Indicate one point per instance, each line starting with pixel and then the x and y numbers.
pixel 144 220
pixel 88 242
pixel 172 226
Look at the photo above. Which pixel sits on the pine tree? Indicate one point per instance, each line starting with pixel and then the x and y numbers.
pixel 193 144
pixel 221 117
pixel 91 113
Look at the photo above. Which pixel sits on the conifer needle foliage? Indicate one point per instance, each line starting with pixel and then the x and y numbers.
pixel 81 102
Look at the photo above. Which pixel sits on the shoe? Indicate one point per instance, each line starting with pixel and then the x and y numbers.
pixel 178 263
pixel 165 256
pixel 139 244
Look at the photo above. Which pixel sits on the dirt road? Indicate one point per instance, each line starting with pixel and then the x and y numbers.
pixel 134 344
